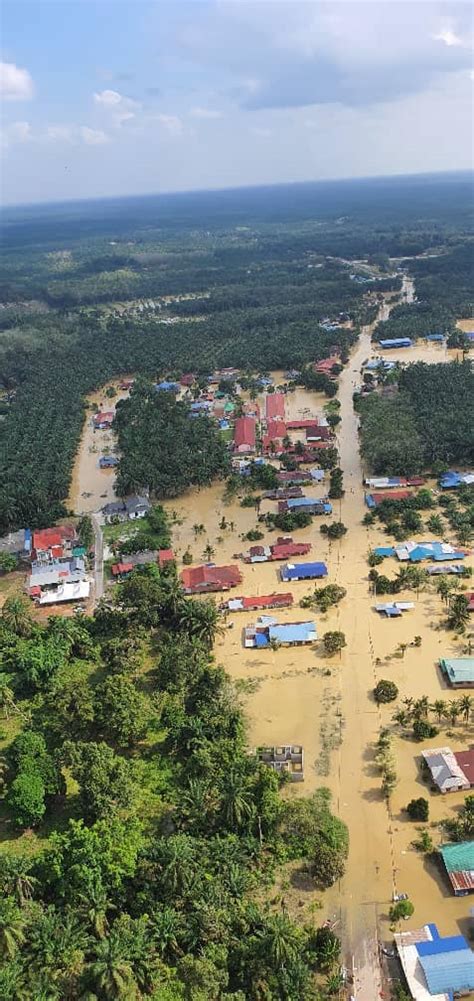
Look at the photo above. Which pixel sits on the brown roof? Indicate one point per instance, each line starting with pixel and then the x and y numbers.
pixel 465 760
pixel 210 576
pixel 244 431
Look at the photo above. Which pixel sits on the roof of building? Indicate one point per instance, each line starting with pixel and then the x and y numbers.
pixel 274 405
pixel 104 417
pixel 459 862
pixel 446 771
pixel 306 422
pixel 458 669
pixel 16 542
pixel 165 556
pixel 434 966
pixel 121 568
pixel 135 502
pixel 244 431
pixel 465 760
pixel 276 429
pixel 207 575
pixel 293 632
pixel 284 550
pixel 295 571
pixel 260 601
pixel 396 342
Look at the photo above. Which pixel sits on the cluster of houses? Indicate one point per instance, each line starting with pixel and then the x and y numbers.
pixel 58 570
pixel 418 552
pixel 276 434
pixel 436 968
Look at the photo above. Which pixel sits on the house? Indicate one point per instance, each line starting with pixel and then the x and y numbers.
pixel 165 556
pixel 50 574
pixel 108 461
pixel 258 601
pixel 285 759
pixel 303 571
pixel 17 543
pixel 459 671
pixel 244 435
pixel 393 609
pixel 103 420
pixel 283 493
pixel 148 557
pixel 122 570
pixel 459 863
pixel 130 509
pixel 415 552
pixel 294 478
pixel 311 505
pixel 435 337
pixel 373 500
pixel 318 432
pixel 375 364
pixel 326 365
pixel 137 507
pixel 53 543
pixel 165 386
pixel 267 631
pixel 283 549
pixel 435 968
pixel 200 407
pixel 390 482
pixel 396 342
pixel 300 425
pixel 275 406
pixel 70 591
pixel 188 379
pixel 447 568
pixel 207 578
pixel 453 479
pixel 446 771
pixel 126 384
pixel 276 429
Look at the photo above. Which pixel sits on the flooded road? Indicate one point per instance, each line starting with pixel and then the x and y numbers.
pixel 302 696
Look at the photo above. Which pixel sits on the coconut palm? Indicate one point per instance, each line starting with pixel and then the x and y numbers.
pixel 110 971
pixel 165 928
pixel 421 707
pixel 458 613
pixel 453 712
pixel 439 707
pixel 16 879
pixel 402 717
pixel 201 620
pixel 465 706
pixel 208 553
pixel 96 905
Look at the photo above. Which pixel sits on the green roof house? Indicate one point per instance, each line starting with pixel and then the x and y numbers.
pixel 459 671
pixel 459 862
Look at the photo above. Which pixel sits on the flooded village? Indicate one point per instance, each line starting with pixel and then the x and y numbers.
pixel 311 710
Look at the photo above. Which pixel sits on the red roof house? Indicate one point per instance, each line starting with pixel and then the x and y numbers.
pixel 285 550
pixel 199 580
pixel 165 556
pixel 316 433
pixel 244 434
pixel 396 495
pixel 276 429
pixel 52 542
pixel 120 569
pixel 465 760
pixel 307 422
pixel 275 406
pixel 326 365
pixel 103 419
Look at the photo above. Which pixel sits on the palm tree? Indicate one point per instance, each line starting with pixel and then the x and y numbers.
pixel 458 614
pixel 439 707
pixel 280 940
pixel 198 529
pixel 95 905
pixel 11 927
pixel 111 971
pixel 465 706
pixel 16 879
pixel 421 707
pixel 402 717
pixel 165 928
pixel 236 800
pixel 334 983
pixel 201 619
pixel 16 615
pixel 453 712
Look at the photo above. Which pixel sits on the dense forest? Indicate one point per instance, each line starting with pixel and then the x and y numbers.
pixel 157 834
pixel 427 424
pixel 260 270
pixel 164 448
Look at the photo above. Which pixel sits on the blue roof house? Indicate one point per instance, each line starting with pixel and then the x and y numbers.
pixel 167 387
pixel 303 571
pixel 434 966
pixel 396 342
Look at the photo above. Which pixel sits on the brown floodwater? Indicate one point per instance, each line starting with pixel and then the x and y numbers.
pixel 302 696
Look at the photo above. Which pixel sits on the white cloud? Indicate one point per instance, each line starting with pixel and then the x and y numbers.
pixel 172 123
pixel 259 130
pixel 448 37
pixel 15 83
pixel 20 131
pixel 122 108
pixel 93 137
pixel 205 113
pixel 60 133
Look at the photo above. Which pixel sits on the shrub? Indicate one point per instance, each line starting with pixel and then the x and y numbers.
pixel 418 809
pixel 334 641
pixel 385 691
pixel 402 909
pixel 422 730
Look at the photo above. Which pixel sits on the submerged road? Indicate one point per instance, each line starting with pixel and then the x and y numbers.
pixel 368 884
pixel 99 558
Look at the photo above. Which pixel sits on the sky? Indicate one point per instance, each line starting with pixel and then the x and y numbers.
pixel 114 97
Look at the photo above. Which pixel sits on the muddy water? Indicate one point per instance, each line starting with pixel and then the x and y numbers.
pixel 92 487
pixel 300 695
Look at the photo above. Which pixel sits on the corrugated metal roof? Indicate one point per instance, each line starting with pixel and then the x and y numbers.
pixel 458 856
pixel 449 971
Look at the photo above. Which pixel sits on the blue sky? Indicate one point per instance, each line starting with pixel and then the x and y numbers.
pixel 130 96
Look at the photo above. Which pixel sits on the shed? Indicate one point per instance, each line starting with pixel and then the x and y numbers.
pixel 303 571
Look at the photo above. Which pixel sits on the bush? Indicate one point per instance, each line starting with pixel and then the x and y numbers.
pixel 26 799
pixel 254 535
pixel 418 809
pixel 385 691
pixel 334 641
pixel 422 730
